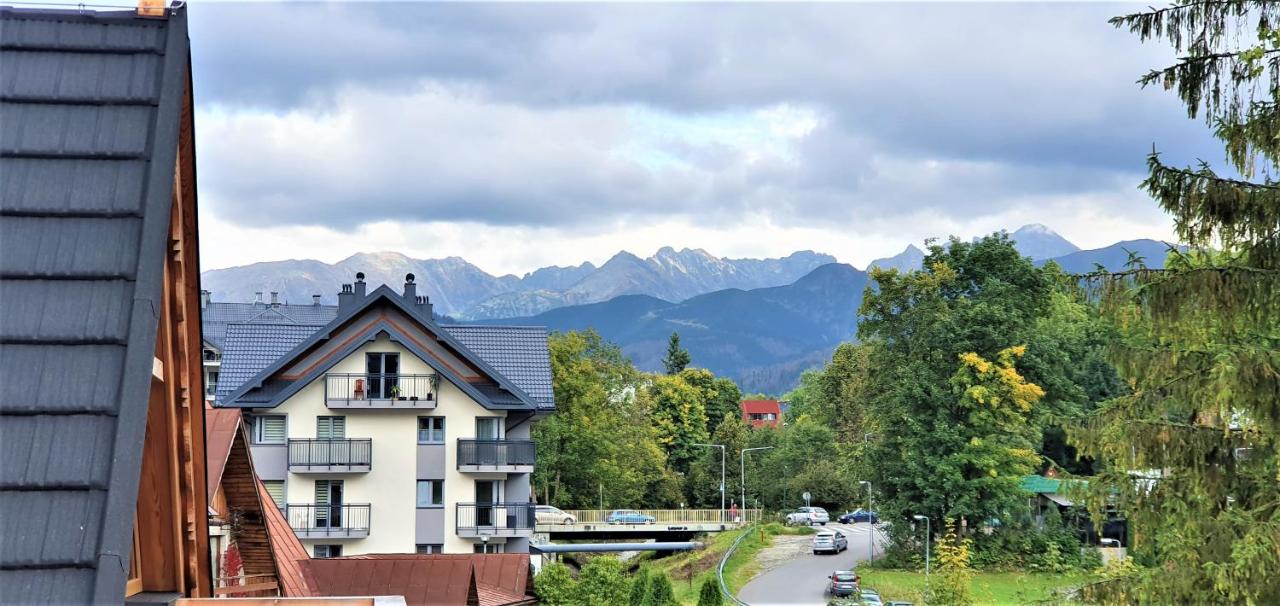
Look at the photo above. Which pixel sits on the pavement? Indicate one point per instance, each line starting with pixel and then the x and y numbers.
pixel 794 575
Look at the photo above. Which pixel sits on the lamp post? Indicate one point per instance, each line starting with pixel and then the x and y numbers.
pixel 871 545
pixel 928 536
pixel 742 471
pixel 721 447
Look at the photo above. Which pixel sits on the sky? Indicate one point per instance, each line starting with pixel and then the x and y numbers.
pixel 520 135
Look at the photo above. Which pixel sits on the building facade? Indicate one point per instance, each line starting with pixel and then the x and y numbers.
pixel 385 432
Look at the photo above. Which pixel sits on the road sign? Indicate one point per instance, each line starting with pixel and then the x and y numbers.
pixel 806 496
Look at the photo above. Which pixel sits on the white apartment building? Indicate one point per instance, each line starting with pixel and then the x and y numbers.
pixel 385 432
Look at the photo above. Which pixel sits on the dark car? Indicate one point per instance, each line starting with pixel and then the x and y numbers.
pixel 843 583
pixel 859 516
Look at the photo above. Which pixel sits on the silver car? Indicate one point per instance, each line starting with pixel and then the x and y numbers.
pixel 829 541
pixel 809 516
pixel 546 514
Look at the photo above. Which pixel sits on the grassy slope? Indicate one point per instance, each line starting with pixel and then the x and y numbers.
pixel 989 588
pixel 688 570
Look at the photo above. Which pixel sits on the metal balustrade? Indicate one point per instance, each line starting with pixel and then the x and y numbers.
pixel 494 520
pixel 668 516
pixel 345 521
pixel 333 455
pixel 386 390
pixel 496 455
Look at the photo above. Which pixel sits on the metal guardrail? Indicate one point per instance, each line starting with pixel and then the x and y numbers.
pixel 724 587
pixel 343 452
pixel 356 387
pixel 332 520
pixel 669 516
pixel 497 516
pixel 496 452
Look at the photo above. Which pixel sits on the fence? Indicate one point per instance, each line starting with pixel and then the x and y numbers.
pixel 667 516
pixel 331 452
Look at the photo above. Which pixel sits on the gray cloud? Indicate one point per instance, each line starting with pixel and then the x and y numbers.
pixel 517 113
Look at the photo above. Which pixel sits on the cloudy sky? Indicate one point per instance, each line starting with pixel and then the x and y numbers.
pixel 522 135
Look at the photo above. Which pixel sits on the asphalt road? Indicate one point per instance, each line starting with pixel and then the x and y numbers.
pixel 804 579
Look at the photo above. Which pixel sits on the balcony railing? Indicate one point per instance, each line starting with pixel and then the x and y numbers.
pixel 495 520
pixel 496 455
pixel 371 390
pixel 346 521
pixel 337 455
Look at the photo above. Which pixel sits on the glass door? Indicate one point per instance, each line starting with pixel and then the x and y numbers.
pixel 488 492
pixel 328 503
pixel 331 446
pixel 488 432
pixel 383 370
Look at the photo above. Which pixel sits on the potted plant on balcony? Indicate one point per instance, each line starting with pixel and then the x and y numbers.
pixel 395 392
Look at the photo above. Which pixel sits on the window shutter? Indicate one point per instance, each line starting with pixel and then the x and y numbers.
pixel 275 488
pixel 322 492
pixel 271 430
pixel 331 428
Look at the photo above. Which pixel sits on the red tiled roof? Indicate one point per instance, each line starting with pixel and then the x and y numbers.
pixel 220 425
pixel 427 579
pixel 287 550
pixel 761 406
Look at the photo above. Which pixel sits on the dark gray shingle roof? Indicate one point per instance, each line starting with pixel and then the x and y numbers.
pixel 249 348
pixel 518 352
pixel 90 106
pixel 217 316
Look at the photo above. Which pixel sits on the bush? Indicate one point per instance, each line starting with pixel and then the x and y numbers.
pixel 660 592
pixel 710 593
pixel 955 575
pixel 639 588
pixel 554 585
pixel 601 582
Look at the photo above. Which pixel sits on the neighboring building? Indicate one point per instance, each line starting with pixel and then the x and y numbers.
pixel 218 317
pixel 427 580
pixel 102 457
pixel 760 413
pixel 385 432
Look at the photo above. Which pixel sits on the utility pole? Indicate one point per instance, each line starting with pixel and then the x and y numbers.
pixel 742 463
pixel 871 540
pixel 928 537
pixel 721 447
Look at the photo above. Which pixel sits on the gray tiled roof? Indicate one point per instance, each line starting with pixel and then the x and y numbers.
pixel 249 348
pixel 518 352
pixel 215 317
pixel 91 109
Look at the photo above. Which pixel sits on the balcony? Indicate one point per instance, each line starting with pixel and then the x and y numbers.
pixel 475 520
pixel 387 391
pixel 328 521
pixel 511 456
pixel 331 455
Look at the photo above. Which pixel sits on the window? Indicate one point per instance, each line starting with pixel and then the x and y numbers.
pixel 430 493
pixel 383 370
pixel 426 548
pixel 431 430
pixel 211 385
pixel 487 548
pixel 488 428
pixel 331 428
pixel 268 429
pixel 327 551
pixel 275 488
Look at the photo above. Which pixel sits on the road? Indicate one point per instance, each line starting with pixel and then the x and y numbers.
pixel 803 580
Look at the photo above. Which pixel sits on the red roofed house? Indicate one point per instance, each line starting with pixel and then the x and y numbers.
pixel 760 413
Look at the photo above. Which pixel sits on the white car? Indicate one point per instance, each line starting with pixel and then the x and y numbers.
pixel 546 514
pixel 809 516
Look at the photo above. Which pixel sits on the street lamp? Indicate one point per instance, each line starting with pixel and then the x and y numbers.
pixel 871 546
pixel 742 472
pixel 928 535
pixel 721 447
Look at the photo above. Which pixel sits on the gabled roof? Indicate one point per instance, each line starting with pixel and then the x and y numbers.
pixel 426 580
pixel 760 406
pixel 217 317
pixel 92 108
pixel 250 348
pixel 265 389
pixel 287 550
pixel 220 428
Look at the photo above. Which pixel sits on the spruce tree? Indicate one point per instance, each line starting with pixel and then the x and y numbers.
pixel 1191 454
pixel 639 588
pixel 677 357
pixel 660 591
pixel 709 595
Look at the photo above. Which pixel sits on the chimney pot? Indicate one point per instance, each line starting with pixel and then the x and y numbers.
pixel 315 300
pixel 205 296
pixel 275 298
pixel 257 297
pixel 410 289
pixel 346 298
pixel 360 285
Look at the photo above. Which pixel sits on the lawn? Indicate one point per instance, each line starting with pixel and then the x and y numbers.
pixel 989 588
pixel 688 570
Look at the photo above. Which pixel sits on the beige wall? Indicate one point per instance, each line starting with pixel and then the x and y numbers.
pixel 391 484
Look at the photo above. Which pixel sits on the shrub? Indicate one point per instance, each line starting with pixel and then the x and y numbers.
pixel 554 585
pixel 955 574
pixel 660 592
pixel 710 593
pixel 601 582
pixel 639 588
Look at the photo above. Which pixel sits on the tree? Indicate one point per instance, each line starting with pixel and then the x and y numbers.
pixel 639 588
pixel 554 585
pixel 805 459
pixel 955 575
pixel 1191 455
pixel 709 595
pixel 601 581
pixel 835 394
pixel 660 591
pixel 702 484
pixel 676 411
pixel 720 395
pixel 677 357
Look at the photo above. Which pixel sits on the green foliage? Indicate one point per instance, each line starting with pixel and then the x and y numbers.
pixel 602 581
pixel 805 458
pixel 661 592
pixel 954 577
pixel 555 585
pixel 678 415
pixel 702 484
pixel 677 357
pixel 834 395
pixel 709 595
pixel 720 395
pixel 1191 456
pixel 639 594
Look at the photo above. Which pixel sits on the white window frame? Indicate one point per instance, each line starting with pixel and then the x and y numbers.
pixel 443 428
pixel 418 492
pixel 257 429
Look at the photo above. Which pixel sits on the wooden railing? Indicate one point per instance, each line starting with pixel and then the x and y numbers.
pixel 247 585
pixel 669 516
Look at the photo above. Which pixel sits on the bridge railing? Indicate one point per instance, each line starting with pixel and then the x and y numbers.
pixel 668 516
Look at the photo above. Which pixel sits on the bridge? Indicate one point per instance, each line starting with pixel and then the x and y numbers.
pixel 666 525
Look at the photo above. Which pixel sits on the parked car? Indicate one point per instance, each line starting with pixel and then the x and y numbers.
pixel 843 583
pixel 809 516
pixel 546 514
pixel 629 516
pixel 829 541
pixel 858 516
pixel 871 598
